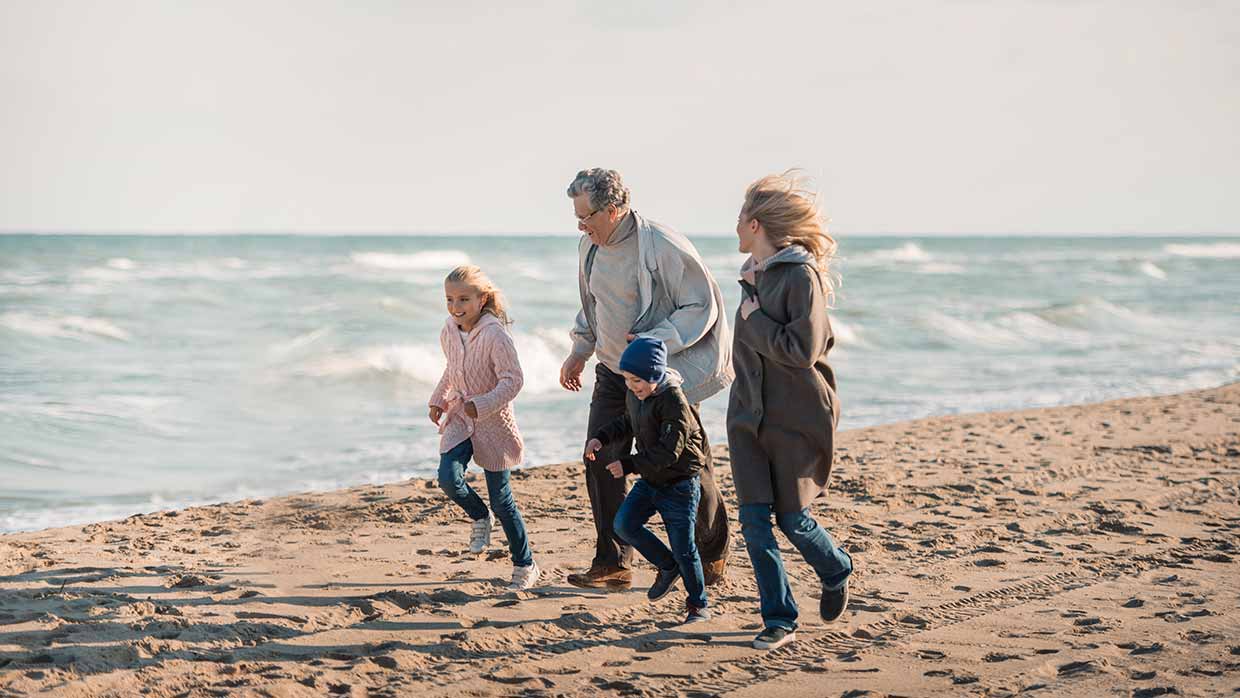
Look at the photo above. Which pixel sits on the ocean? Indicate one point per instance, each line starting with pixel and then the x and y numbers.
pixel 147 372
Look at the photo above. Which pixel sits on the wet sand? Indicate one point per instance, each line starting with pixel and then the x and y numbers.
pixel 1086 551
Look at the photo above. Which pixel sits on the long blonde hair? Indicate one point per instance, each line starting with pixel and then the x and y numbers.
pixel 476 279
pixel 788 211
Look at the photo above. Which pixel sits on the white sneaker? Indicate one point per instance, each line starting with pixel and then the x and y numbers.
pixel 480 536
pixel 524 577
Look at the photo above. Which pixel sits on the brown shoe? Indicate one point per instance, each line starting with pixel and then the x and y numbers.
pixel 602 577
pixel 715 571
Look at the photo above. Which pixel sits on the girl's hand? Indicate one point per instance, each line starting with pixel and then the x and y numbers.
pixel 592 447
pixel 748 306
pixel 435 414
pixel 471 409
pixel 616 468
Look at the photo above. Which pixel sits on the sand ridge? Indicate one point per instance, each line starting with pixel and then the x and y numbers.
pixel 1085 550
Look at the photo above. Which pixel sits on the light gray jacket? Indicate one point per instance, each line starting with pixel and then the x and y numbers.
pixel 680 303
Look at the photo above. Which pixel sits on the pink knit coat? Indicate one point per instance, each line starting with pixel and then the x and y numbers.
pixel 488 373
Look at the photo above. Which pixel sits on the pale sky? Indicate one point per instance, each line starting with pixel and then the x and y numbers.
pixel 957 116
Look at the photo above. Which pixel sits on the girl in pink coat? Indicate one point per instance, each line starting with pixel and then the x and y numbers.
pixel 472 406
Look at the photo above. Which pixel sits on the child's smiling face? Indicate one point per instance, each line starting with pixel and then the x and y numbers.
pixel 464 303
pixel 640 387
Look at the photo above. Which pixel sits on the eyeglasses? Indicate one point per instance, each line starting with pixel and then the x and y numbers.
pixel 588 216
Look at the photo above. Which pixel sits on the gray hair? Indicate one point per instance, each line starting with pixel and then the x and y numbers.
pixel 604 187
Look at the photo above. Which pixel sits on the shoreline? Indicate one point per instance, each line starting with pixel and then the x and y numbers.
pixel 1086 548
pixel 184 503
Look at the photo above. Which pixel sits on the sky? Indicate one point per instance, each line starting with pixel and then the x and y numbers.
pixel 927 116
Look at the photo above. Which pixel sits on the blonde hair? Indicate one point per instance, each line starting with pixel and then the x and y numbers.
pixel 475 278
pixel 788 211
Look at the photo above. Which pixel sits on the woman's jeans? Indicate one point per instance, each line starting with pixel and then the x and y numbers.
pixel 452 481
pixel 677 504
pixel 833 564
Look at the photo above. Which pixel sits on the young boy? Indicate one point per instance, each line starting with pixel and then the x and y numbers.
pixel 671 450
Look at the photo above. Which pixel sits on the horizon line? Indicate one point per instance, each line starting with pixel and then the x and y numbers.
pixel 710 234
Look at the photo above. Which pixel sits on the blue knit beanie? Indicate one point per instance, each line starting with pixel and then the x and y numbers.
pixel 645 358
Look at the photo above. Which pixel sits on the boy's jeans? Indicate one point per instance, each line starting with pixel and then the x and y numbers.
pixel 452 481
pixel 832 563
pixel 678 505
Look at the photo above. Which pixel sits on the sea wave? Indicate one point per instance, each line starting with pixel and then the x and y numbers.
pixel 418 261
pixel 1216 250
pixel 123 270
pixel 908 252
pixel 541 352
pixel 419 362
pixel 1090 322
pixel 1152 270
pixel 63 326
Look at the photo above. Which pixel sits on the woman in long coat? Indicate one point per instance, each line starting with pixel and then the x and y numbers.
pixel 783 409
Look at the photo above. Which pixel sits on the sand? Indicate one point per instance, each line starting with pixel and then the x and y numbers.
pixel 1086 551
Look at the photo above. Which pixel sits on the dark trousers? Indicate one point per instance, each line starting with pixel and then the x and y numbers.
pixel 607 492
pixel 677 504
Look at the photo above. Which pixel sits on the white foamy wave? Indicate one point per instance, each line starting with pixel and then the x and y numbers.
pixel 541 355
pixel 972 332
pixel 419 261
pixel 63 326
pixel 1218 250
pixel 1098 314
pixel 1150 269
pixel 122 270
pixel 908 252
pixel 421 363
pixel 23 278
pixel 846 334
pixel 301 341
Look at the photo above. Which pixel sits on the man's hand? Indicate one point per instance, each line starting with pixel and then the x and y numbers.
pixel 570 372
pixel 471 409
pixel 592 447
pixel 748 306
pixel 616 468
pixel 435 414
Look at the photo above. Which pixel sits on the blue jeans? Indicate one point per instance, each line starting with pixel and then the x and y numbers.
pixel 452 481
pixel 832 563
pixel 678 505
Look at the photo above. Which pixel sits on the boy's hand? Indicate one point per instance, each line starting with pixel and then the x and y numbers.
pixel 592 447
pixel 435 414
pixel 471 409
pixel 616 468
pixel 748 306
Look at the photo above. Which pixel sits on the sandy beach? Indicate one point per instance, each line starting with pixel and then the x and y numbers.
pixel 1086 550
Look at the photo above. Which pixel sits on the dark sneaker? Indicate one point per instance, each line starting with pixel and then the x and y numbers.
pixel 773 638
pixel 663 583
pixel 602 577
pixel 833 603
pixel 697 615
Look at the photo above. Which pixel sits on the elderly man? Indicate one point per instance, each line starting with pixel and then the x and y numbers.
pixel 640 278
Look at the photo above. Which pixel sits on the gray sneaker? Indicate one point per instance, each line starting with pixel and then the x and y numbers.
pixel 480 535
pixel 773 638
pixel 696 615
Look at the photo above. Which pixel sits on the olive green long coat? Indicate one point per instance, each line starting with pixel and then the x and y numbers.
pixel 782 410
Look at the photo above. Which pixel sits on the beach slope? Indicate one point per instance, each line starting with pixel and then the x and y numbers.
pixel 1086 550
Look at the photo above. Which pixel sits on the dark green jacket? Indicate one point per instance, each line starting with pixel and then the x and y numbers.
pixel 671 445
pixel 782 410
